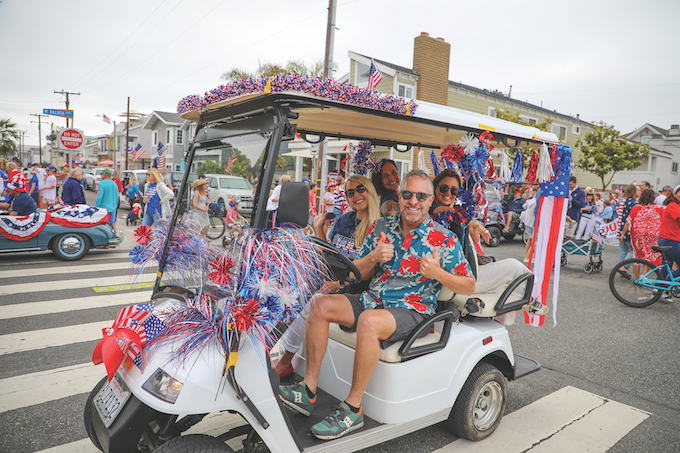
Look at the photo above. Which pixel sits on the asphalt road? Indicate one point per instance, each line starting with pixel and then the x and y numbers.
pixel 598 345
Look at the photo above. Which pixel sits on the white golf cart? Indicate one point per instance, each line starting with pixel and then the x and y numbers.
pixel 455 373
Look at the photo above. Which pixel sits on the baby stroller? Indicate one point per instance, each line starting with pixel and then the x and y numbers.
pixel 133 216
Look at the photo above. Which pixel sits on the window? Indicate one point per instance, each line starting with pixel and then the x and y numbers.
pixel 528 120
pixel 646 139
pixel 235 183
pixel 403 167
pixel 168 136
pixel 492 112
pixel 212 183
pixel 405 91
pixel 154 138
pixel 674 168
pixel 560 131
pixel 180 135
pixel 575 129
pixel 362 72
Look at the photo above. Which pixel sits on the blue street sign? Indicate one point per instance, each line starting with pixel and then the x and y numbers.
pixel 56 112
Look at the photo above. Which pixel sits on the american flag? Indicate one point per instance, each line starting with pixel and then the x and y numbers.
pixel 374 77
pixel 106 119
pixel 161 154
pixel 138 152
pixel 548 235
pixel 140 319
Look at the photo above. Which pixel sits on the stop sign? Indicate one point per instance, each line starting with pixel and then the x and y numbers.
pixel 71 139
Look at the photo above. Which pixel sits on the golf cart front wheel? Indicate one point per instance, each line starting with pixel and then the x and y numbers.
pixel 480 405
pixel 194 443
pixel 495 236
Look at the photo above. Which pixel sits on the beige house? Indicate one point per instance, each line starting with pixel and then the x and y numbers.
pixel 428 80
pixel 661 166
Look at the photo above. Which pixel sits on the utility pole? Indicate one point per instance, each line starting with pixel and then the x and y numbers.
pixel 328 73
pixel 127 133
pixel 68 103
pixel 39 131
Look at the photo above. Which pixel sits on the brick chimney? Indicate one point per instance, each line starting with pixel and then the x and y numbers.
pixel 431 60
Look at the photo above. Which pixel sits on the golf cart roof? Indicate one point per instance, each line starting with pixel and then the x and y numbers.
pixel 431 126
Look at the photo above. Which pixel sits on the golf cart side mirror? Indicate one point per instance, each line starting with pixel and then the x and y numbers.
pixel 293 204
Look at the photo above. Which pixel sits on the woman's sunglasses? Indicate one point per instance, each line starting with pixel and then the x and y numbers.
pixel 443 188
pixel 420 196
pixel 349 193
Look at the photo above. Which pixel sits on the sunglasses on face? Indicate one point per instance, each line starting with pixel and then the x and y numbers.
pixel 420 196
pixel 443 188
pixel 358 189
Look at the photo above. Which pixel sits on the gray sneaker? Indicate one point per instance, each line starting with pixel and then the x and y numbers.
pixel 295 396
pixel 341 421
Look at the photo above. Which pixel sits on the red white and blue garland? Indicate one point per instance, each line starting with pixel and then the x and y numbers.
pixel 324 88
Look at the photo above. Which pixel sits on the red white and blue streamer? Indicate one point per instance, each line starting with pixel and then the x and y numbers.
pixel 25 227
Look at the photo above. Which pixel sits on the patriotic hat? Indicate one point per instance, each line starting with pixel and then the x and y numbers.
pixel 17 183
pixel 233 203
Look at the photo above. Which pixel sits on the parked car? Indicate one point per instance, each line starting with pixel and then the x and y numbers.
pixel 67 243
pixel 89 178
pixel 177 179
pixel 224 188
pixel 97 173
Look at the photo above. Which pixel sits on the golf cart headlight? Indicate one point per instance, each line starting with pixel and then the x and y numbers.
pixel 163 386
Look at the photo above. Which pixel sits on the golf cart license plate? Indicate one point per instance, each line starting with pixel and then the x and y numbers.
pixel 111 399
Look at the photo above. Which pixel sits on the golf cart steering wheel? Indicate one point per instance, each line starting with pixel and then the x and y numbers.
pixel 338 262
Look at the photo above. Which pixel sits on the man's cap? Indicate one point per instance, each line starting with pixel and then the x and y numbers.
pixel 106 172
pixel 16 159
pixel 32 163
pixel 52 167
pixel 306 179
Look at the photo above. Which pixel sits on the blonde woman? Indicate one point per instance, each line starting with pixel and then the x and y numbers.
pixel 199 203
pixel 348 236
pixel 157 197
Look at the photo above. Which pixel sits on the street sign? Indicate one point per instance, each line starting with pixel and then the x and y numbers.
pixel 71 139
pixel 314 149
pixel 57 112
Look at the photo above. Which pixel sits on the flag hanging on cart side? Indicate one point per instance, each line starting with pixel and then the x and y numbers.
pixel 548 235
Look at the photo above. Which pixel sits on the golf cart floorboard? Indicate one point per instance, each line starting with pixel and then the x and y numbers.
pixel 525 366
pixel 302 424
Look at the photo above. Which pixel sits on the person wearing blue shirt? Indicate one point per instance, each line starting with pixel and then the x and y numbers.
pixel 107 196
pixel 409 257
pixel 72 191
pixel 577 199
pixel 21 203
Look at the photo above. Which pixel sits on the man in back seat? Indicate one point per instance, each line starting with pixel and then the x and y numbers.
pixel 409 257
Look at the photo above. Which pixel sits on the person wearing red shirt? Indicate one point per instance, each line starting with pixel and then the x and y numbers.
pixel 669 234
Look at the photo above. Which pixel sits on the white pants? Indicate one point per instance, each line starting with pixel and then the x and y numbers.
pixel 585 226
pixel 496 276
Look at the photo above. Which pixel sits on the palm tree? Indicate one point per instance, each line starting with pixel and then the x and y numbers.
pixel 315 69
pixel 8 137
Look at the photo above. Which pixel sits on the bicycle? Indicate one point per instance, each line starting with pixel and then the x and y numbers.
pixel 216 217
pixel 643 288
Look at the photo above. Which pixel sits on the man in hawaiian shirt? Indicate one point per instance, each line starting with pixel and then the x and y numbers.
pixel 410 258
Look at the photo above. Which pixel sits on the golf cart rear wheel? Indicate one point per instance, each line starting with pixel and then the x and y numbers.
pixel 194 443
pixel 495 236
pixel 89 410
pixel 480 404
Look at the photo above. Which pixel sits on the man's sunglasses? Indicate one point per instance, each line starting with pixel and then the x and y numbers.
pixel 420 196
pixel 443 188
pixel 349 193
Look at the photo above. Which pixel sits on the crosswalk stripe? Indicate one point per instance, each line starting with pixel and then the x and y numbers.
pixel 50 385
pixel 45 338
pixel 547 418
pixel 63 270
pixel 21 288
pixel 93 256
pixel 77 303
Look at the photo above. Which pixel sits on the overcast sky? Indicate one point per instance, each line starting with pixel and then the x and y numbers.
pixel 610 60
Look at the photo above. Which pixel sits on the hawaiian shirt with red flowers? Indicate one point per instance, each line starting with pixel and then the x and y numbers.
pixel 399 283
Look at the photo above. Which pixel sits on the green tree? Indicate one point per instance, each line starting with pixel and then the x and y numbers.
pixel 9 135
pixel 604 152
pixel 236 74
pixel 210 167
pixel 269 69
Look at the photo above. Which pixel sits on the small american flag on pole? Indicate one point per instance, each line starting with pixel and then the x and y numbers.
pixel 106 119
pixel 138 152
pixel 374 76
pixel 161 154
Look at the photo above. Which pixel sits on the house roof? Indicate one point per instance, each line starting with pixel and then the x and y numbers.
pixel 655 129
pixel 167 118
pixel 495 94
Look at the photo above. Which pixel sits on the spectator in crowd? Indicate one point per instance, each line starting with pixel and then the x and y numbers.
pixel 167 179
pixel 200 205
pixel 339 197
pixel 157 197
pixel 669 234
pixel 72 191
pixel 386 183
pixel 133 190
pixel 107 196
pixel 329 206
pixel 665 192
pixel 33 189
pixel 608 213
pixel 384 248
pixel 625 247
pixel 50 191
pixel 62 177
pixel 644 185
pixel 577 198
pixel 312 198
pixel 617 200
pixel 4 177
pixel 232 217
pixel 273 200
pixel 528 218
pixel 587 222
pixel 644 222
pixel 41 173
pixel 21 203
pixel 514 207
